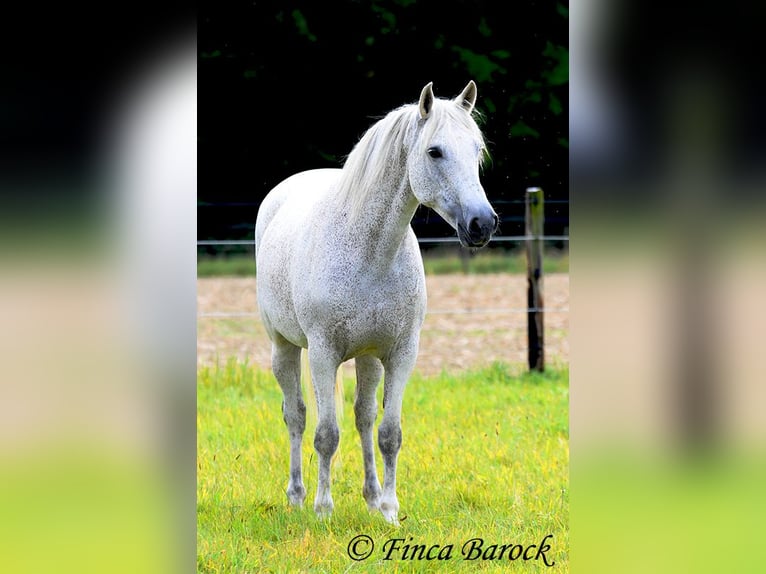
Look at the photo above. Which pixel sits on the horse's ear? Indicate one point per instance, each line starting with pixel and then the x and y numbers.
pixel 426 100
pixel 467 98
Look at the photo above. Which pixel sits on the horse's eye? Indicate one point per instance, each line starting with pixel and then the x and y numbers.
pixel 434 152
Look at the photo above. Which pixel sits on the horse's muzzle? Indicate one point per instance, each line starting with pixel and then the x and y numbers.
pixel 479 230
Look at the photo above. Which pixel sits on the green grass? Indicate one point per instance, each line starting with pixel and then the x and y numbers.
pixel 437 263
pixel 231 266
pixel 485 454
pixel 491 262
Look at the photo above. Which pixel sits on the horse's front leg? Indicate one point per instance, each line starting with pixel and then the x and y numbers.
pixel 398 368
pixel 369 371
pixel 324 367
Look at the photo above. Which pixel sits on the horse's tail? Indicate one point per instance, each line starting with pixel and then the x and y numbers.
pixel 312 413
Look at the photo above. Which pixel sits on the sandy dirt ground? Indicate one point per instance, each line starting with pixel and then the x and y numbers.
pixel 472 321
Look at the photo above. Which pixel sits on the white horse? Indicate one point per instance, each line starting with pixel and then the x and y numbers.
pixel 340 273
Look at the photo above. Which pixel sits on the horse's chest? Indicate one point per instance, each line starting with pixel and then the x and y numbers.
pixel 382 317
pixel 385 304
pixel 364 315
pixel 389 309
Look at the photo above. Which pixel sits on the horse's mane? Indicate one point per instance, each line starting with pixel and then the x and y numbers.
pixel 384 146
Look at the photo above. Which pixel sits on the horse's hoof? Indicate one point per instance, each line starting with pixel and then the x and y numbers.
pixel 296 499
pixel 372 496
pixel 390 512
pixel 324 513
pixel 323 508
pixel 296 495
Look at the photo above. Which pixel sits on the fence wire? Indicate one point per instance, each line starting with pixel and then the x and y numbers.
pixel 501 239
pixel 478 311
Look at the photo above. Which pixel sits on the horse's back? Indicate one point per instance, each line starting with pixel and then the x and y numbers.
pixel 299 191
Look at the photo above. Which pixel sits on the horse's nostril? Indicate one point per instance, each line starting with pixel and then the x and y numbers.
pixel 496 221
pixel 474 226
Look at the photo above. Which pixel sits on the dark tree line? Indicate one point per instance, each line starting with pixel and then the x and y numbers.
pixel 289 86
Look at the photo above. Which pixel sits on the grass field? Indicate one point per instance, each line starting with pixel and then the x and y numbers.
pixel 485 455
pixel 436 263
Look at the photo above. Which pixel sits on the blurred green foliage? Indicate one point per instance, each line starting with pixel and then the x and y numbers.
pixel 289 86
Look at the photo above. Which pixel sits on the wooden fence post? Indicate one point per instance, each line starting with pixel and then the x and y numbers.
pixel 534 218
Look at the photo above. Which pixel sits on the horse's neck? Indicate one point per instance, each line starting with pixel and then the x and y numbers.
pixel 381 227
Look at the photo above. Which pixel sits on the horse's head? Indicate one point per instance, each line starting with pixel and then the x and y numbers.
pixel 443 165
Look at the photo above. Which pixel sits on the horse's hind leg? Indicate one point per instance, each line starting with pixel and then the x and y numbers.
pixel 286 364
pixel 368 374
pixel 324 367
